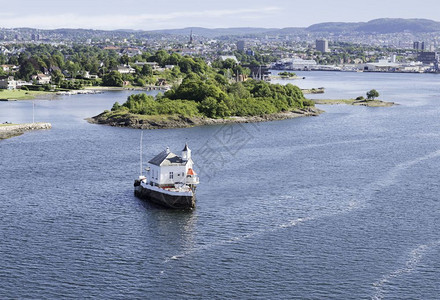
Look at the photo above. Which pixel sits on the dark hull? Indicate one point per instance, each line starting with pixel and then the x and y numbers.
pixel 165 200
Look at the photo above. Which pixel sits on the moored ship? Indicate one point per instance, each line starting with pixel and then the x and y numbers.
pixel 170 180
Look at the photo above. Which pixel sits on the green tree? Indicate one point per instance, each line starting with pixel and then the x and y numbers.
pixel 372 94
pixel 160 57
pixel 146 70
pixel 114 78
pixel 57 77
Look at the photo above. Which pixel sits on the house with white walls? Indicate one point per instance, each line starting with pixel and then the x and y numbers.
pixel 168 169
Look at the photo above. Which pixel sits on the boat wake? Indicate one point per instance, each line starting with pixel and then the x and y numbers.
pixel 355 203
pixel 414 258
pixel 309 146
pixel 415 255
pixel 291 223
pixel 391 177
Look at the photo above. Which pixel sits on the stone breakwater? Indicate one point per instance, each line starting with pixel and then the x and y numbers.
pixel 7 131
pixel 158 122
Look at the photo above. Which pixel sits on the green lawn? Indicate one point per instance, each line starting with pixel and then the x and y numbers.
pixel 19 94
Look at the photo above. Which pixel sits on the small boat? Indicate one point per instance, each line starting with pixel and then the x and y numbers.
pixel 170 181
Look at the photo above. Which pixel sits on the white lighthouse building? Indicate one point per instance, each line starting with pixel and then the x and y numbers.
pixel 167 169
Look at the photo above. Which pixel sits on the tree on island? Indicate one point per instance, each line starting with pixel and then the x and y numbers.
pixel 372 94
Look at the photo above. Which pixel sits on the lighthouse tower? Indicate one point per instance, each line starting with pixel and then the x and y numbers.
pixel 186 153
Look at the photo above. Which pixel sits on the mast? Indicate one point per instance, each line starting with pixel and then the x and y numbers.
pixel 140 153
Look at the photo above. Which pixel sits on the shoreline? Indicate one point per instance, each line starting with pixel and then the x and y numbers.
pixel 21 95
pixel 131 88
pixel 174 121
pixel 11 130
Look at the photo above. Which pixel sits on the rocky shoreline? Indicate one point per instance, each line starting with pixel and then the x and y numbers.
pixel 11 130
pixel 162 122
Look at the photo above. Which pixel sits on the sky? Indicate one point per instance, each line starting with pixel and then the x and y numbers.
pixel 171 14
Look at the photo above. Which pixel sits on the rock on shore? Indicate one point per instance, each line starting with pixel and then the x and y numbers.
pixel 173 121
pixel 7 131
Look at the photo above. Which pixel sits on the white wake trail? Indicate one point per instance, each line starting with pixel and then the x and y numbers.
pixel 414 258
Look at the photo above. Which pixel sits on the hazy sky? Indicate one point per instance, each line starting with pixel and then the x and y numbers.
pixel 149 15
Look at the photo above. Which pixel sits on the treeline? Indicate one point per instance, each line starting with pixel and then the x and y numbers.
pixel 216 98
pixel 73 62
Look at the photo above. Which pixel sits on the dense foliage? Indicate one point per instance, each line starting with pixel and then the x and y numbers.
pixel 372 94
pixel 287 74
pixel 216 98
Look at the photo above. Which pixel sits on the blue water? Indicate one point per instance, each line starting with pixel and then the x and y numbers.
pixel 340 206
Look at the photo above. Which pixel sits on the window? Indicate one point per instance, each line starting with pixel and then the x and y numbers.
pixel 171 175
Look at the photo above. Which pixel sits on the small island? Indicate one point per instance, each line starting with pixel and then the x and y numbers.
pixel 320 90
pixel 370 101
pixel 209 99
pixel 286 75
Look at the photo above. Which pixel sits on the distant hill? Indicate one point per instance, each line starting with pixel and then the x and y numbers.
pixel 379 26
pixel 335 27
pixel 207 32
pixel 399 25
pixel 374 26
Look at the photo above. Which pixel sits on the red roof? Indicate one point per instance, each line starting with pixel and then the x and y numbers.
pixel 191 172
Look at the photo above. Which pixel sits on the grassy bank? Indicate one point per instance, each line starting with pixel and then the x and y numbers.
pixel 20 94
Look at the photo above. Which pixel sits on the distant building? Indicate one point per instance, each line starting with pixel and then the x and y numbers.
pixel 250 52
pixel 153 65
pixel 9 83
pixel 383 65
pixel 241 45
pixel 295 64
pixel 42 78
pixel 322 46
pixel 5 68
pixel 225 57
pixel 125 69
pixel 87 75
pixel 427 58
pixel 419 45
pixel 130 52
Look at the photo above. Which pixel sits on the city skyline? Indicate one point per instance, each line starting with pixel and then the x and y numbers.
pixel 109 15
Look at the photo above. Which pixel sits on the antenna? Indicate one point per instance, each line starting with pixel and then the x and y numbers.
pixel 140 153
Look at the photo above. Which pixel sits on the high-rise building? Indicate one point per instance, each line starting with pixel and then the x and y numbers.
pixel 419 45
pixel 322 46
